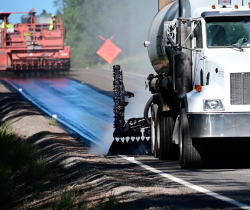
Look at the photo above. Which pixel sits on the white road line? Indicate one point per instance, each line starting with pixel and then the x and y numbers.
pixel 189 185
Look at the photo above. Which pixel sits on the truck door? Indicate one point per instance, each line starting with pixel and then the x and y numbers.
pixel 198 59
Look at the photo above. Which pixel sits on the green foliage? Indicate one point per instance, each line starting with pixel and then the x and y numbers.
pixel 52 121
pixel 6 186
pixel 81 206
pixel 55 180
pixel 110 204
pixel 84 24
pixel 66 199
pixel 14 154
pixel 36 170
pixel 26 205
pixel 44 12
pixel 12 148
pixel 37 185
pixel 86 20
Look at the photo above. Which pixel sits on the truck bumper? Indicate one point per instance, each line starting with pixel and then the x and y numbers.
pixel 219 125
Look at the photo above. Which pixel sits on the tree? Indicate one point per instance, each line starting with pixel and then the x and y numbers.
pixel 44 12
pixel 85 20
pixel 60 4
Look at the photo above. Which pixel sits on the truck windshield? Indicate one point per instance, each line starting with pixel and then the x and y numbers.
pixel 228 32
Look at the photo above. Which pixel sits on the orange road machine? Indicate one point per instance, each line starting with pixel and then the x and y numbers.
pixel 31 46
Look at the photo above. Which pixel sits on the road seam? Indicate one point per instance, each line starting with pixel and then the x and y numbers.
pixel 187 184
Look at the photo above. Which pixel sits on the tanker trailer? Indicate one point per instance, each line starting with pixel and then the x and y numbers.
pixel 200 92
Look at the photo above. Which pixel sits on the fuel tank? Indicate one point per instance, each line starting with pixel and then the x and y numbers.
pixel 156 49
pixel 161 56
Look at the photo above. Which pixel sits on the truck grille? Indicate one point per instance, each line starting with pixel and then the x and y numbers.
pixel 240 88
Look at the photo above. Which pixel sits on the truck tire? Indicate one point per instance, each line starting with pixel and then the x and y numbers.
pixel 165 127
pixel 189 156
pixel 156 136
pixel 153 113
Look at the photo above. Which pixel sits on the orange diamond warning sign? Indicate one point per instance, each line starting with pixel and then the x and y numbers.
pixel 109 51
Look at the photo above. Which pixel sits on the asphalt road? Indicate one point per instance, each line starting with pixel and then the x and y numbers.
pixel 74 101
pixel 226 180
pixel 233 183
pixel 103 79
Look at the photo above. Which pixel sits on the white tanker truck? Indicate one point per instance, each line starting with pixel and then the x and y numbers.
pixel 200 51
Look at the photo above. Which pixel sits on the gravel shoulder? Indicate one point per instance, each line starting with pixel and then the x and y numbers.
pixel 93 182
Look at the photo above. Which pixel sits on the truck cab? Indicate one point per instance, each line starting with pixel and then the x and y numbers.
pixel 204 51
pixel 221 67
pixel 200 51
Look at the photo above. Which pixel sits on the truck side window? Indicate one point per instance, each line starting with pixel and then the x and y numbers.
pixel 198 35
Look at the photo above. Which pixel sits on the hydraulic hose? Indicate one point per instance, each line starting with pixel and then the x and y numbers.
pixel 148 105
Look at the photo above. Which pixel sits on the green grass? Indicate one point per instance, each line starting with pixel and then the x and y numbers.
pixel 14 154
pixel 65 200
pixel 52 121
pixel 6 186
pixel 110 204
pixel 69 199
pixel 36 170
pixel 26 205
pixel 55 180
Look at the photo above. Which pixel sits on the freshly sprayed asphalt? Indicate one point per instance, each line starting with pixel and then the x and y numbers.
pixel 77 106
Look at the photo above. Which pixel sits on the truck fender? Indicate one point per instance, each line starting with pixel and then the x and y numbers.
pixel 176 131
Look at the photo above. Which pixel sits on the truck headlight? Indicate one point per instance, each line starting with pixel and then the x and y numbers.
pixel 213 105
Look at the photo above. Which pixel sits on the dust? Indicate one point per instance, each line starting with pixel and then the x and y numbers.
pixel 105 143
pixel 134 109
pixel 137 61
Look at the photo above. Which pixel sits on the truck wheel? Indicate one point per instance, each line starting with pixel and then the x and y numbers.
pixel 189 157
pixel 165 127
pixel 153 111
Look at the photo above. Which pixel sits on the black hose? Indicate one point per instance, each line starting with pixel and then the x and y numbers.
pixel 148 105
